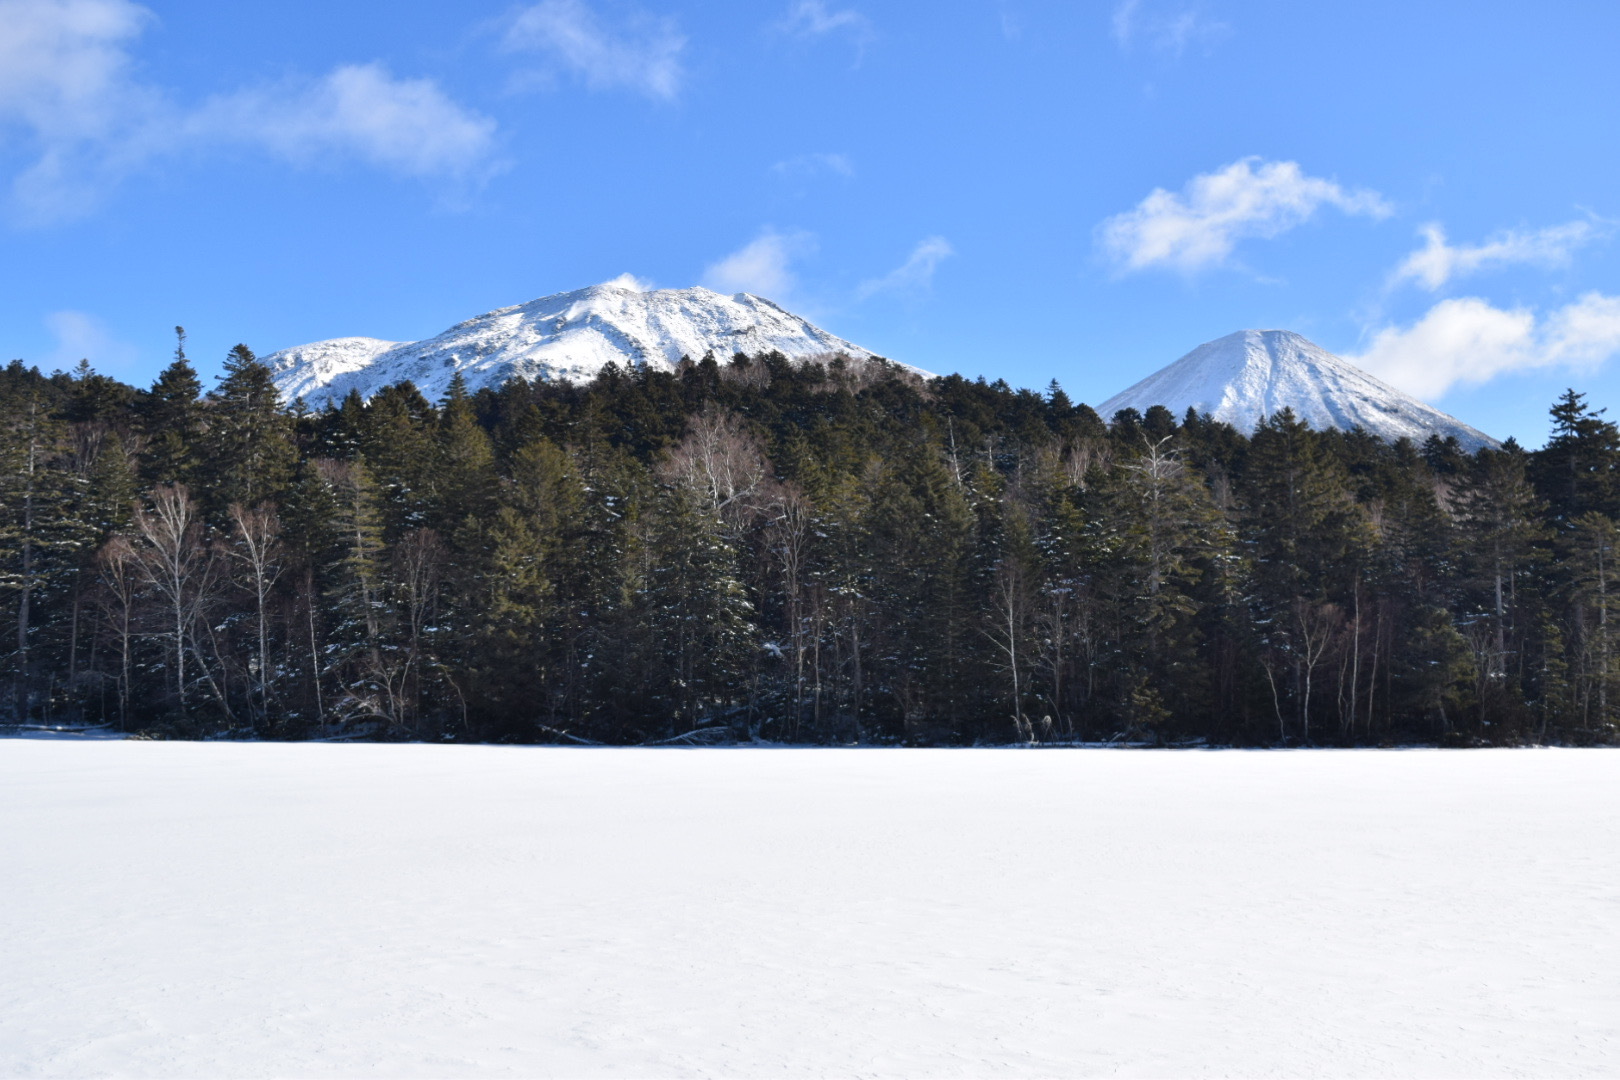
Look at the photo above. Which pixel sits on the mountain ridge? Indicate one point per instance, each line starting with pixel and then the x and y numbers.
pixel 569 335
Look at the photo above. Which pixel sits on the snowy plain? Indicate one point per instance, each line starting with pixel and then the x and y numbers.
pixel 184 909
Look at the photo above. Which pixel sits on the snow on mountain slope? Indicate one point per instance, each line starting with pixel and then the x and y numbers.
pixel 1244 377
pixel 570 335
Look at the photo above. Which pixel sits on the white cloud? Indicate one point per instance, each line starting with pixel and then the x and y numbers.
pixel 84 337
pixel 1584 334
pixel 405 125
pixel 1168 33
pixel 1438 262
pixel 643 55
pixel 1467 341
pixel 913 276
pixel 811 19
pixel 71 99
pixel 630 281
pixel 64 69
pixel 1199 227
pixel 763 266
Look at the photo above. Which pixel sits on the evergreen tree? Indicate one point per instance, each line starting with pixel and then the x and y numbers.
pixel 528 627
pixel 171 419
pixel 920 564
pixel 761 549
pixel 1302 530
pixel 1579 469
pixel 1499 515
pixel 1593 546
pixel 464 484
pixel 356 597
pixel 96 399
pixel 398 446
pixel 43 538
pixel 250 451
pixel 700 617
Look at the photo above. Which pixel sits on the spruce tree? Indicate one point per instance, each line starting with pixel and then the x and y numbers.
pixel 250 451
pixel 1579 468
pixel 399 448
pixel 1499 517
pixel 464 481
pixel 1593 546
pixel 44 537
pixel 171 418
pixel 1301 528
pixel 356 598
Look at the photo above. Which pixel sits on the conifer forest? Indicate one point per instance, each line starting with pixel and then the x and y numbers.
pixel 757 550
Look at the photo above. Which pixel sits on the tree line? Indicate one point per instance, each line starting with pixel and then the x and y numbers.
pixel 759 549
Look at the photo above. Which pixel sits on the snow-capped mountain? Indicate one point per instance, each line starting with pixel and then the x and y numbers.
pixel 570 335
pixel 1244 377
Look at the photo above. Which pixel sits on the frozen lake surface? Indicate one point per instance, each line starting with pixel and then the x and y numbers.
pixel 173 909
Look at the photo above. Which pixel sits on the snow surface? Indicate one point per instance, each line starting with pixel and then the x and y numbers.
pixel 186 910
pixel 570 335
pixel 1243 378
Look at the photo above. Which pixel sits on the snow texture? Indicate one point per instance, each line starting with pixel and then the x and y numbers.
pixel 571 335
pixel 1245 377
pixel 187 910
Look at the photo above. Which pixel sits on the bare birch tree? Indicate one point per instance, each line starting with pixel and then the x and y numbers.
pixel 173 562
pixel 723 463
pixel 258 548
pixel 120 572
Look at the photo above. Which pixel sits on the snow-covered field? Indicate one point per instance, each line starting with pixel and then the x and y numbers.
pixel 353 910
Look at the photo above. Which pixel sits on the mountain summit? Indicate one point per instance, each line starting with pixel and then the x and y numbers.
pixel 571 335
pixel 1243 378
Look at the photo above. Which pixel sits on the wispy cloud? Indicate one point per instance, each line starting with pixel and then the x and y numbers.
pixel 1124 22
pixel 1199 227
pixel 70 102
pixel 1467 341
pixel 65 69
pixel 1012 26
pixel 77 110
pixel 1439 262
pixel 641 54
pixel 915 275
pixel 1168 33
pixel 805 165
pixel 763 266
pixel 408 126
pixel 80 336
pixel 814 19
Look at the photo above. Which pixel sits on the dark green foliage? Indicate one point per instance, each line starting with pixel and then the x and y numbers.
pixel 170 418
pixel 1579 469
pixel 750 548
pixel 249 454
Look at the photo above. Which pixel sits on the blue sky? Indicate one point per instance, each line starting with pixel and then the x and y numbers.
pixel 1008 188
